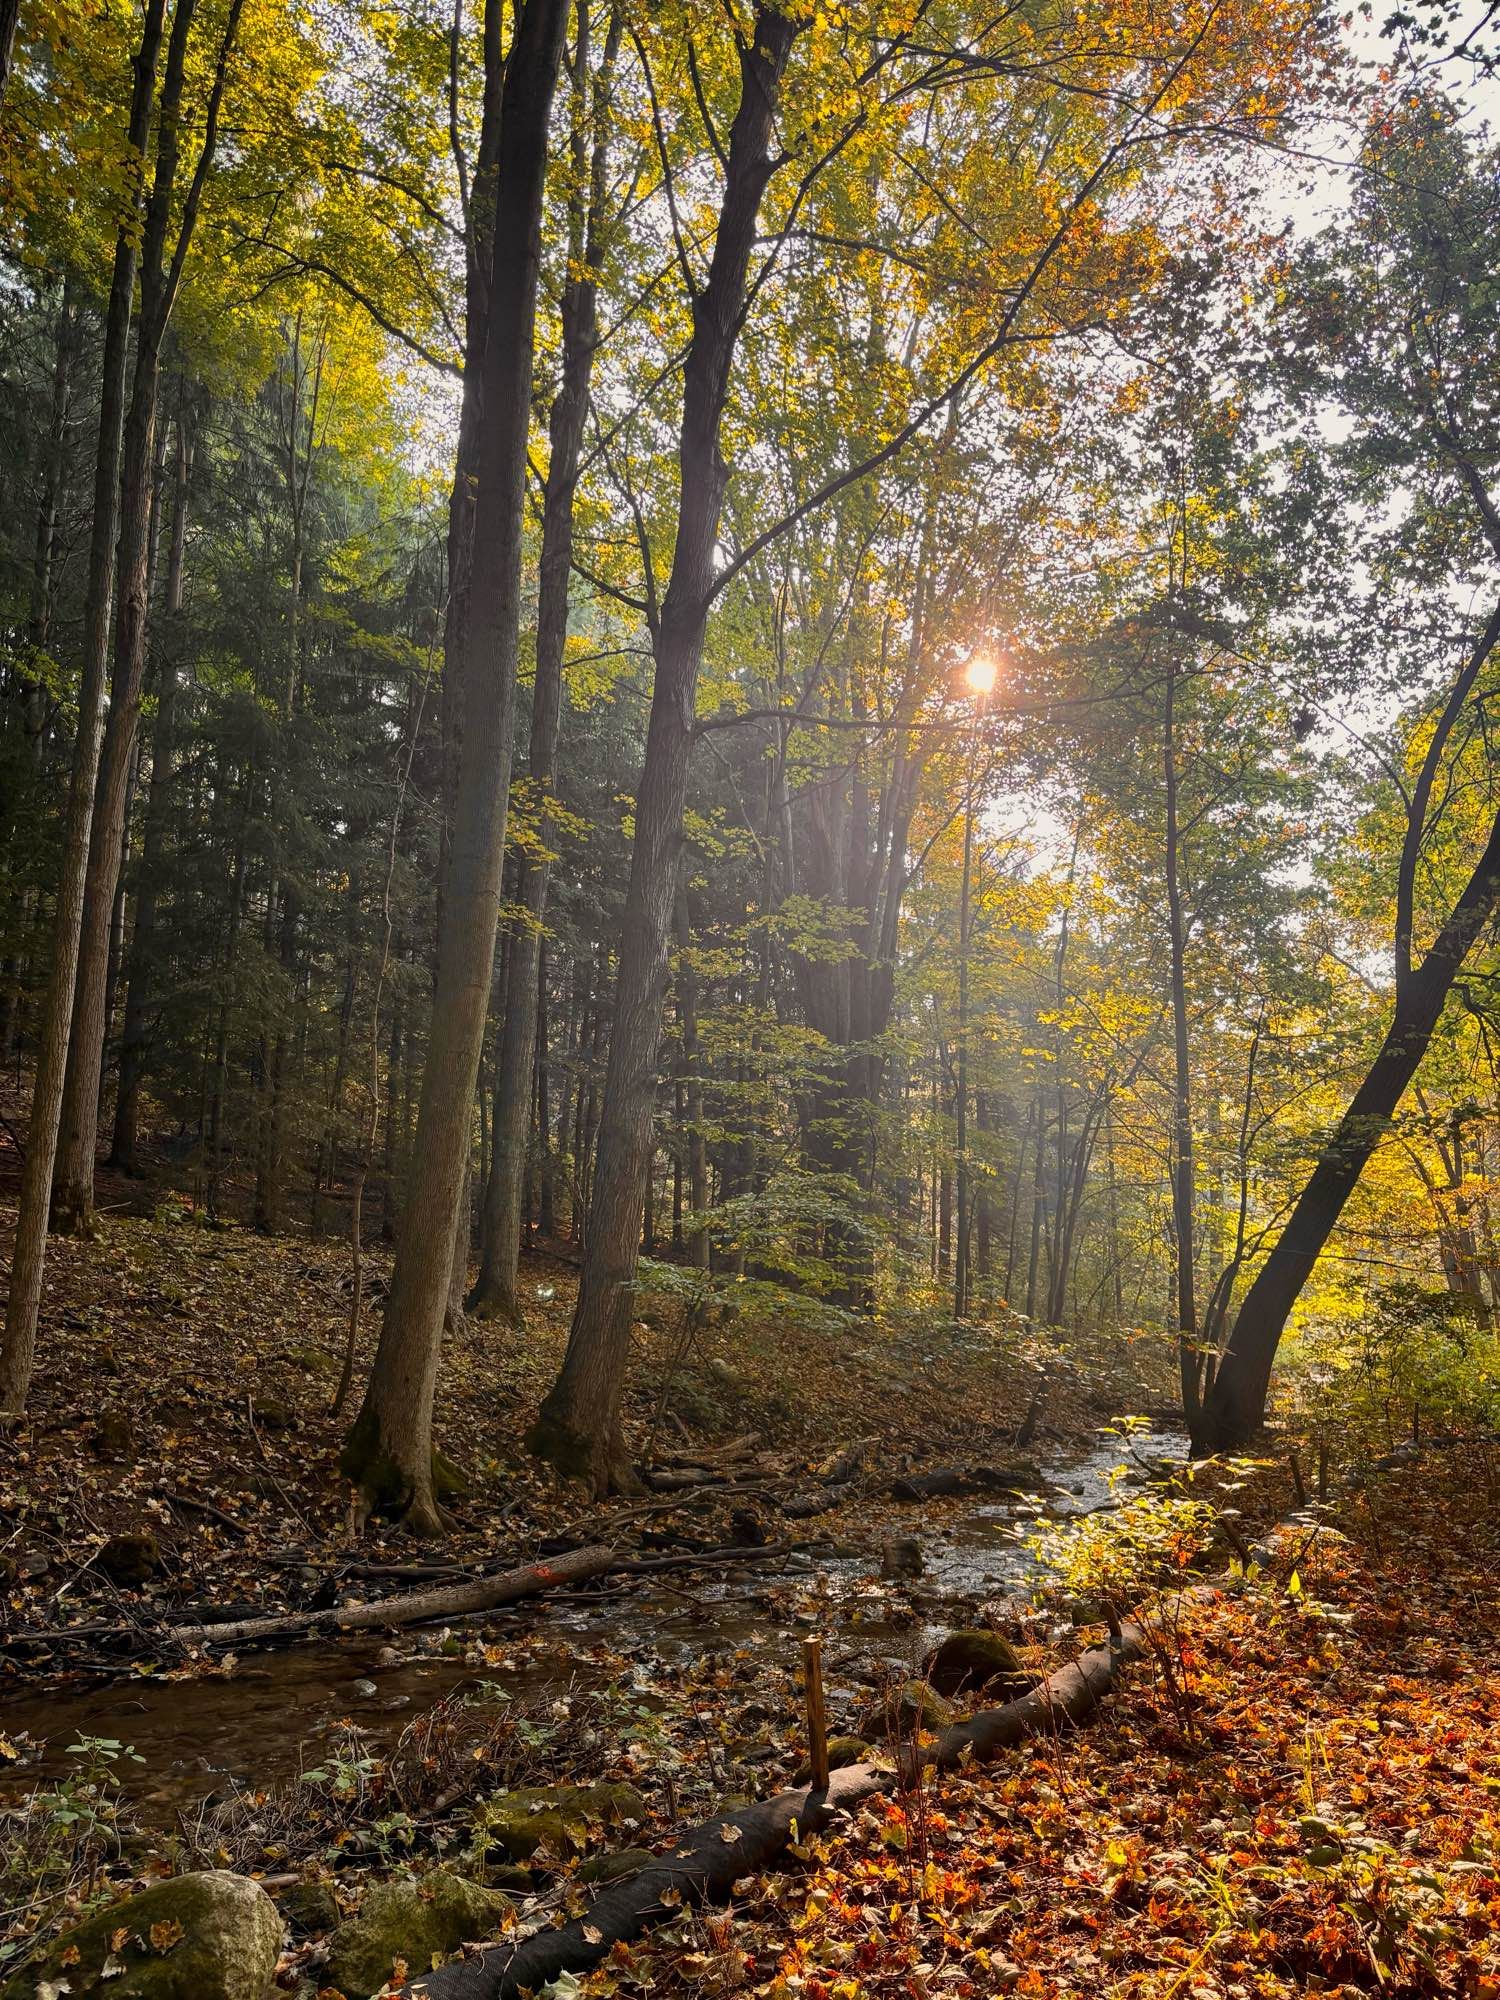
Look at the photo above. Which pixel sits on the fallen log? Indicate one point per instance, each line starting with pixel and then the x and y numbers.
pixel 1062 1701
pixel 701 1868
pixel 709 1860
pixel 412 1607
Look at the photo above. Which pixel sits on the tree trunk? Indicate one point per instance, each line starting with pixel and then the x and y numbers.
pixel 696 1235
pixel 10 14
pixel 389 1451
pixel 495 1293
pixel 1189 1358
pixel 18 1355
pixel 1236 1406
pixel 547 1168
pixel 73 1177
pixel 135 1034
pixel 578 1429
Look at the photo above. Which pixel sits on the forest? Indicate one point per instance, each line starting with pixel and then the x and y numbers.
pixel 749 999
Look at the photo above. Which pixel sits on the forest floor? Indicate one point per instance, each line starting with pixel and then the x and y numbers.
pixel 1298 1791
pixel 184 1391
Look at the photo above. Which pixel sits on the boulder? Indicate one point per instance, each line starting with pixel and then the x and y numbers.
pixel 115 1436
pixel 842 1751
pixel 213 1936
pixel 310 1908
pixel 966 1661
pixel 562 1819
pixel 129 1559
pixel 901 1558
pixel 913 1706
pixel 419 1921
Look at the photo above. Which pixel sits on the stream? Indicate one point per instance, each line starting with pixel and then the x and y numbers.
pixel 267 1719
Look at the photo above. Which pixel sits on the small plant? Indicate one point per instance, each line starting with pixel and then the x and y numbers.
pixel 58 1842
pixel 1123 1561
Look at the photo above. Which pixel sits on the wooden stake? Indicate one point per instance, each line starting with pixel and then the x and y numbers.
pixel 817 1716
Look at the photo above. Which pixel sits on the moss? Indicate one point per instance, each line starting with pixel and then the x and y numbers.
pixel 913 1706
pixel 974 1659
pixel 558 1819
pixel 367 1464
pixel 449 1481
pixel 311 1908
pixel 418 1921
pixel 213 1936
pixel 843 1751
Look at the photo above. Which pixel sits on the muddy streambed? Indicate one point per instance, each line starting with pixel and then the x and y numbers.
pixel 268 1718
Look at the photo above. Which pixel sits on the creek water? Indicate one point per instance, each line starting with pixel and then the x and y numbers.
pixel 269 1718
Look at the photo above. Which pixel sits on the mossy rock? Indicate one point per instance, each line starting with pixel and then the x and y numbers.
pixel 842 1751
pixel 562 1819
pixel 213 1936
pixel 311 1908
pixel 969 1660
pixel 115 1437
pixel 129 1559
pixel 615 1864
pixel 419 1921
pixel 912 1707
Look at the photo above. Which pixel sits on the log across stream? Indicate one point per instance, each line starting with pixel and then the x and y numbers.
pixel 272 1715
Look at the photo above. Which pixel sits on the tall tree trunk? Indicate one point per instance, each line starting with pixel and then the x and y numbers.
pixel 134 1029
pixel 18 1354
pixel 495 1293
pixel 161 278
pixel 1189 1358
pixel 1236 1405
pixel 547 1166
pixel 389 1451
pixel 19 798
pixel 578 1429
pixel 10 14
pixel 697 1239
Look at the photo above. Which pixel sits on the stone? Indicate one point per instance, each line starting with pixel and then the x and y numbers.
pixel 273 1415
pixel 420 1920
pixel 212 1936
pixel 129 1559
pixel 115 1437
pixel 901 1558
pixel 911 1707
pixel 842 1751
pixel 311 1908
pixel 967 1661
pixel 562 1819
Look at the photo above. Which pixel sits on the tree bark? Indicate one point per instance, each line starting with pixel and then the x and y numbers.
pixel 10 14
pixel 1236 1405
pixel 389 1451
pixel 451 1600
pixel 495 1293
pixel 578 1429
pixel 18 1354
pixel 1189 1358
